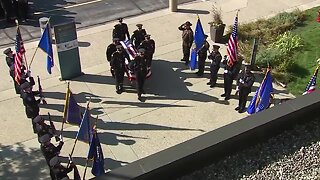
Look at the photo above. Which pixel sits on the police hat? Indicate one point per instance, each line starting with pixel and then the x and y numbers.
pixel 25 85
pixel 216 47
pixel 119 46
pixel 115 39
pixel 188 23
pixel 7 51
pixel 141 50
pixel 54 161
pixel 45 138
pixel 120 19
pixel 147 35
pixel 37 119
pixel 139 25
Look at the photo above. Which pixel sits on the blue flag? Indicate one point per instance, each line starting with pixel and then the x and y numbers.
pixel 85 132
pixel 73 111
pixel 46 45
pixel 261 99
pixel 95 153
pixel 198 43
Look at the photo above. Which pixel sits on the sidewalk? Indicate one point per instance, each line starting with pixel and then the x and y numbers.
pixel 179 105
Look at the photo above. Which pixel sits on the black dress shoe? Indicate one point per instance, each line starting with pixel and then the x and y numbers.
pixel 182 60
pixel 226 98
pixel 118 92
pixel 209 83
pixel 223 95
pixel 241 111
pixel 237 108
pixel 212 85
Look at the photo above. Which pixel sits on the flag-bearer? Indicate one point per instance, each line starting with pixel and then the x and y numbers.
pixel 59 171
pixel 202 54
pixel 216 58
pixel 246 81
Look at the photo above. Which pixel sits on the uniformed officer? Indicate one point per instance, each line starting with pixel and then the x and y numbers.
pixel 187 40
pixel 112 48
pixel 216 58
pixel 59 171
pixel 246 81
pixel 9 57
pixel 121 30
pixel 7 8
pixel 149 45
pixel 29 101
pixel 49 151
pixel 202 53
pixel 228 79
pixel 140 70
pixel 138 36
pixel 43 128
pixel 118 67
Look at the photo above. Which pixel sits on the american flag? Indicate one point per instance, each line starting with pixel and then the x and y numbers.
pixel 20 50
pixel 232 48
pixel 312 83
pixel 129 49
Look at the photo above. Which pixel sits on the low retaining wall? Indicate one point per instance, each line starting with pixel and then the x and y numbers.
pixel 212 146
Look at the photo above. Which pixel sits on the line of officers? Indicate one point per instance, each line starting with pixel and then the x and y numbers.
pixel 245 79
pixel 44 131
pixel 12 9
pixel 140 65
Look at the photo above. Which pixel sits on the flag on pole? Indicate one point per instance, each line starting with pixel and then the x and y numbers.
pixel 261 99
pixel 198 43
pixel 46 45
pixel 127 46
pixel 95 153
pixel 18 60
pixel 71 113
pixel 232 49
pixel 312 83
pixel 85 132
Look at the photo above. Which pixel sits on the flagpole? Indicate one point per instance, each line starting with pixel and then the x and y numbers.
pixel 65 108
pixel 85 169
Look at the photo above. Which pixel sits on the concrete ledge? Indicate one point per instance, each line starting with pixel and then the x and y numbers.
pixel 212 146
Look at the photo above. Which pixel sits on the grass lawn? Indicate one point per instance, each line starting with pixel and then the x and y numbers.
pixel 306 58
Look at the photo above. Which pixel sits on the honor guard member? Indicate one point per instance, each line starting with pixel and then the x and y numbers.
pixel 49 151
pixel 121 30
pixel 138 36
pixel 112 48
pixel 246 81
pixel 9 57
pixel 59 171
pixel 29 101
pixel 216 58
pixel 42 127
pixel 140 70
pixel 187 40
pixel 228 79
pixel 118 67
pixel 149 45
pixel 202 53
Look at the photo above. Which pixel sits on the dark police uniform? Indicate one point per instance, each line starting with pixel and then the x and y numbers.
pixel 228 79
pixel 31 104
pixel 140 70
pixel 216 58
pixel 121 31
pixel 246 81
pixel 42 128
pixel 138 36
pixel 149 45
pixel 187 40
pixel 202 53
pixel 112 48
pixel 49 151
pixel 22 9
pixel 118 66
pixel 59 171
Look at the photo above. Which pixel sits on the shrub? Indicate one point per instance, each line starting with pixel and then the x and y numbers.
pixel 287 43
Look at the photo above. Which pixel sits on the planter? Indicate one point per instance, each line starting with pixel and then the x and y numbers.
pixel 216 33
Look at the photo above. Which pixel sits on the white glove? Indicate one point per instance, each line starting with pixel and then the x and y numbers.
pixel 241 81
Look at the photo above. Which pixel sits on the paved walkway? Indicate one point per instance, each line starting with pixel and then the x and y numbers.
pixel 179 106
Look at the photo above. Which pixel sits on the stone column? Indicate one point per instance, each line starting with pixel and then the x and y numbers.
pixel 173 5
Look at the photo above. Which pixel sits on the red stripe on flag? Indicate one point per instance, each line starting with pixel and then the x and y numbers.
pixel 17 67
